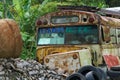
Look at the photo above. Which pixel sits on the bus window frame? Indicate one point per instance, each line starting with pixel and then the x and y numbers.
pixel 118 35
pixel 104 33
pixel 65 17
pixel 98 27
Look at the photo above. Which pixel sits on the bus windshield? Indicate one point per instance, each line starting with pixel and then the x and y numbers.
pixel 83 34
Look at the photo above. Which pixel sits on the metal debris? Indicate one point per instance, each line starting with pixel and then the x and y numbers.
pixel 18 69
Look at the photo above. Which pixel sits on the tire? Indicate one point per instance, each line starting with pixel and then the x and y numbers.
pixel 76 76
pixel 85 69
pixel 92 76
pixel 103 74
pixel 116 68
pixel 113 74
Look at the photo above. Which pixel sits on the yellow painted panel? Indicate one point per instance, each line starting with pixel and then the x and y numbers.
pixel 43 51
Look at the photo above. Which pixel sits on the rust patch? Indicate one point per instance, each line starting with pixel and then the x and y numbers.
pixel 47 60
pixel 47 50
pixel 69 61
pixel 75 56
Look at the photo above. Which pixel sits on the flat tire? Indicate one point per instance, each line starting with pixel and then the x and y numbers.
pixel 92 76
pixel 102 74
pixel 76 76
pixel 85 69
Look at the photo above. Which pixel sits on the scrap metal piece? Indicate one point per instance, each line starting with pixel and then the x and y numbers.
pixel 68 62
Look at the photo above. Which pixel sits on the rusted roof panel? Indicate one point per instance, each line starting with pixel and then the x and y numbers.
pixel 112 11
pixel 80 8
pixel 110 21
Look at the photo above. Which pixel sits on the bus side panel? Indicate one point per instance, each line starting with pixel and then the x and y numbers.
pixel 69 62
pixel 110 49
pixel 43 51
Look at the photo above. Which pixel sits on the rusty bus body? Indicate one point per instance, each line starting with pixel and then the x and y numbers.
pixel 91 36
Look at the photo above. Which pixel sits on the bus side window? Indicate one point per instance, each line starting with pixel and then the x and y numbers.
pixel 113 35
pixel 118 35
pixel 106 34
pixel 102 37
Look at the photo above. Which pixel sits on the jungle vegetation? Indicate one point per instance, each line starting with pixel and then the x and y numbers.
pixel 25 13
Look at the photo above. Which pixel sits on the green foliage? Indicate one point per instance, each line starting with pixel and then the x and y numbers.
pixel 29 48
pixel 25 12
pixel 50 7
pixel 1 9
pixel 95 3
pixel 26 19
pixel 113 3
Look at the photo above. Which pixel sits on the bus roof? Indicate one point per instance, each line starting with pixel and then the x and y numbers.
pixel 76 10
pixel 111 11
pixel 80 8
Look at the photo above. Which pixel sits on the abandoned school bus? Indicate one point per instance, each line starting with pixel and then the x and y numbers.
pixel 71 38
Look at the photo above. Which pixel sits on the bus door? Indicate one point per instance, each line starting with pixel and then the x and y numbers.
pixel 110 41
